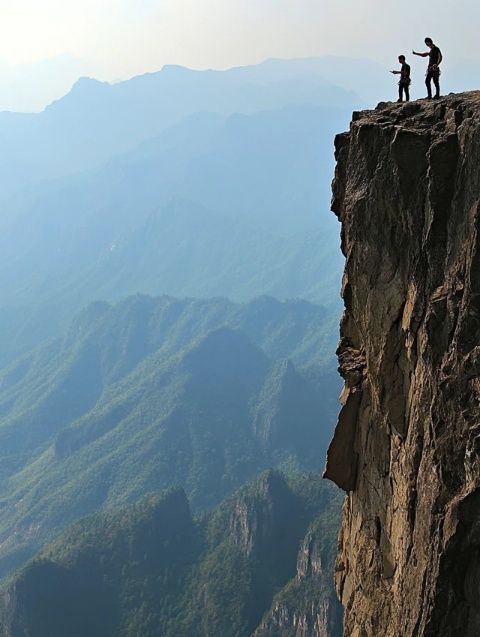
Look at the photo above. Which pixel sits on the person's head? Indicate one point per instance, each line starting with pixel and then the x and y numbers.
pixel 429 42
pixel 401 59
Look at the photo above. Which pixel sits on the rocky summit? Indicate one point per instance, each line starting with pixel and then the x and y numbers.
pixel 406 447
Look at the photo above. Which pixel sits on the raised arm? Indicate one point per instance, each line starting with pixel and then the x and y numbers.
pixel 422 55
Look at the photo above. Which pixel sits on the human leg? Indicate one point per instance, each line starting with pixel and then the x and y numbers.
pixel 428 83
pixel 436 81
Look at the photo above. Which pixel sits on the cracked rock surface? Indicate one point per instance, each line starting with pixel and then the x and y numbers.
pixel 407 443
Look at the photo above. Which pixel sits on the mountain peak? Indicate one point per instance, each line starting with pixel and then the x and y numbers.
pixel 85 88
pixel 176 68
pixel 222 350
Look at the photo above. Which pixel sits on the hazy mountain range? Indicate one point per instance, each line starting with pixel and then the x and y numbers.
pixel 118 201
pixel 179 182
pixel 31 87
pixel 97 120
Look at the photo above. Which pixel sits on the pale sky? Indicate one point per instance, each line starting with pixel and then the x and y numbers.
pixel 116 39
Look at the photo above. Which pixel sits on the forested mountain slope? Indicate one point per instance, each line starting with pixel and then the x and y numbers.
pixel 151 569
pixel 154 392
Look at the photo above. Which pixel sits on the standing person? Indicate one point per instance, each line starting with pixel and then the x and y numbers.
pixel 433 71
pixel 404 84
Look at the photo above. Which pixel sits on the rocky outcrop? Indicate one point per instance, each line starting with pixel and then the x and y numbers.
pixel 406 448
pixel 307 606
pixel 262 517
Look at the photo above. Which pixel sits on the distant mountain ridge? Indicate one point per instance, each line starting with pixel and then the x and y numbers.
pixel 97 120
pixel 247 152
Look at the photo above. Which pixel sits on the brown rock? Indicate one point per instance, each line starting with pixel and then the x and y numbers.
pixel 406 449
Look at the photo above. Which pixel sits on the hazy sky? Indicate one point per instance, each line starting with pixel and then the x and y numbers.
pixel 114 39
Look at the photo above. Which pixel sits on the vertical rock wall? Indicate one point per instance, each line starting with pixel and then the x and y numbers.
pixel 406 447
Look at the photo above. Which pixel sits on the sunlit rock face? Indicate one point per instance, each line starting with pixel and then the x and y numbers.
pixel 406 448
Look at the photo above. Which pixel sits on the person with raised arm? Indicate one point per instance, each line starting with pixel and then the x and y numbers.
pixel 433 72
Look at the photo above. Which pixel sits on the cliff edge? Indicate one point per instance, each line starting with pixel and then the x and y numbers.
pixel 406 447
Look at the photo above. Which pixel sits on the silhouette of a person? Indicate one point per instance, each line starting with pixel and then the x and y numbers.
pixel 404 84
pixel 433 71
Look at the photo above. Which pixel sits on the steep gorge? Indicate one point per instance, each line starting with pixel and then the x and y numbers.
pixel 406 447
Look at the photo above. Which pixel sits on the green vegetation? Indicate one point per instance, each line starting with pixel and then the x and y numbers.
pixel 153 393
pixel 310 595
pixel 115 191
pixel 152 570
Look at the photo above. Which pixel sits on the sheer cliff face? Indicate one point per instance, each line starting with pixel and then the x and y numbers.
pixel 406 447
pixel 307 606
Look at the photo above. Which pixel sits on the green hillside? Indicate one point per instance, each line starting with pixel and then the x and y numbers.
pixel 155 392
pixel 150 569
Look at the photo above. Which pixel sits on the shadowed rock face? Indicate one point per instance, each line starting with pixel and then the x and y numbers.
pixel 406 448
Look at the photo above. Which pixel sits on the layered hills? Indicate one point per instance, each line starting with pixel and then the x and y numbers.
pixel 193 185
pixel 215 206
pixel 158 392
pixel 96 120
pixel 152 569
pixel 168 216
